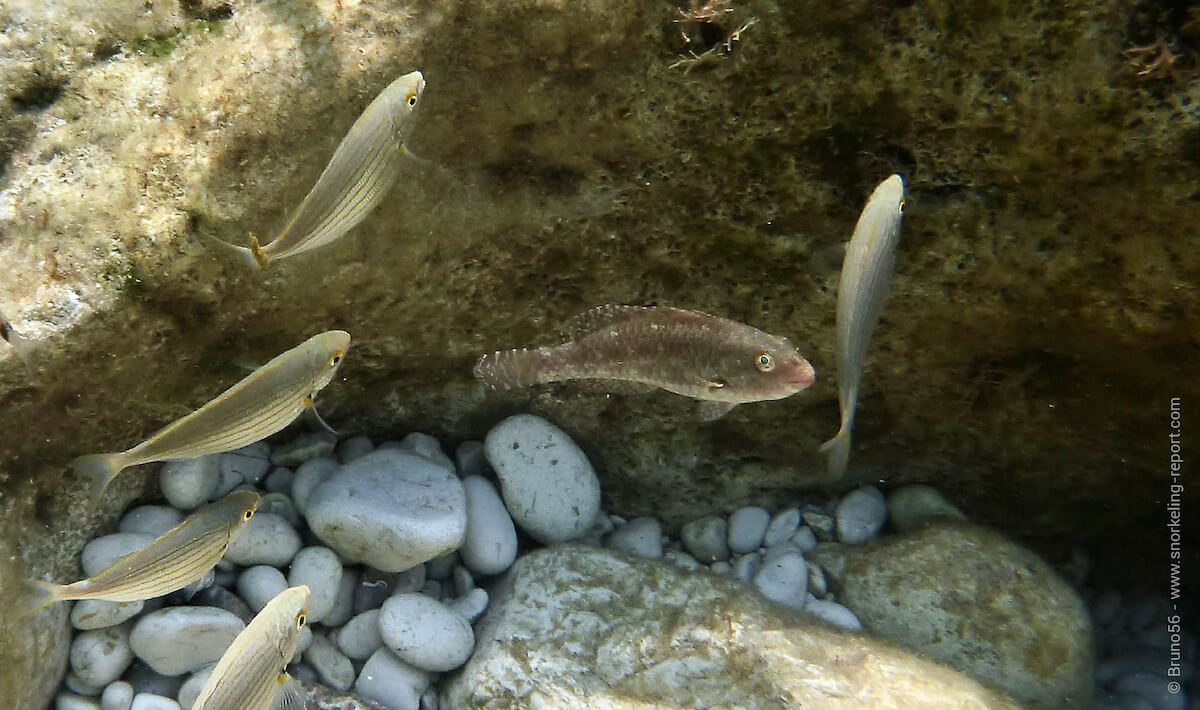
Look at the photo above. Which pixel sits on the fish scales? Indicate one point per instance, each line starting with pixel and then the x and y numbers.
pixel 261 404
pixel 173 560
pixel 864 284
pixel 250 675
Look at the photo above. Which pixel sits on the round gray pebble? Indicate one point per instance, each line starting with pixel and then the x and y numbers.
pixel 103 551
pixel 303 448
pixel 391 681
pixel 354 447
pixel 640 536
pixel 189 483
pixel 190 690
pixel 145 679
pixel 490 545
pixel 425 633
pixel 88 614
pixel 310 475
pixel 784 580
pixel 183 639
pixel 805 539
pixel 469 459
pixel 471 605
pixel 280 481
pixel 259 585
pixel 343 604
pixel 746 566
pixel 78 685
pixel 99 657
pixel 246 464
pixel 360 637
pixel 149 701
pixel 332 666
pixel 320 569
pixel 427 446
pixel 150 519
pixel 834 613
pixel 860 515
pixel 280 504
pixel 914 505
pixel 747 527
pixel 117 695
pixel 266 540
pixel 782 526
pixel 71 701
pixel 705 539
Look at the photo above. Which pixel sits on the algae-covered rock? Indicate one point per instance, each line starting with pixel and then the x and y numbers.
pixel 584 627
pixel 975 600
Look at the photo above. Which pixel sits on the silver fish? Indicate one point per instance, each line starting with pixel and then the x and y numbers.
pixel 363 168
pixel 263 403
pixel 716 360
pixel 865 282
pixel 172 561
pixel 250 674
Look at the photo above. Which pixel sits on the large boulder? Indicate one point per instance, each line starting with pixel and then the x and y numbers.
pixel 975 600
pixel 583 627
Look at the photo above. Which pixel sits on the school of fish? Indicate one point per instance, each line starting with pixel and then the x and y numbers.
pixel 718 361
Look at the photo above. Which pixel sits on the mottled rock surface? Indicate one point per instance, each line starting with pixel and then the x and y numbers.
pixel 973 599
pixel 583 627
pixel 577 156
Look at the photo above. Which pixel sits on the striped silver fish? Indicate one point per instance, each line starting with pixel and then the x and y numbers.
pixel 363 168
pixel 263 403
pixel 251 675
pixel 172 561
pixel 865 282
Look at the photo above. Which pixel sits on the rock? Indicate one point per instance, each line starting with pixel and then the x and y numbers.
pixel 319 697
pixel 183 639
pixel 88 614
pixel 260 584
pixel 746 566
pixel 190 483
pixel 391 681
pixel 804 539
pixel 149 701
pixel 860 515
pixel 390 509
pixel 279 480
pixel 822 525
pixel 77 685
pixel 682 559
pixel 311 474
pixel 332 666
pixel 374 587
pixel 190 690
pixel 353 448
pixel 470 605
pixel 640 536
pixel 150 519
pixel 411 580
pixel 425 633
pixel 547 483
pixel 280 504
pixel 319 569
pixel 911 506
pixel 103 551
pixel 360 637
pixel 266 540
pixel 1023 630
pixel 463 581
pixel 229 481
pixel 1151 687
pixel 343 604
pixel 304 448
pixel 117 695
pixel 784 579
pixel 721 567
pixel 441 566
pixel 222 598
pixel 427 446
pixel 469 459
pixel 145 679
pixel 705 539
pixel 833 613
pixel 747 528
pixel 249 464
pixel 490 544
pixel 783 524
pixel 659 634
pixel 302 643
pixel 99 657
pixel 71 701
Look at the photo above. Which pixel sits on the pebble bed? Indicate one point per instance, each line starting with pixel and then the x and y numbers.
pixel 398 541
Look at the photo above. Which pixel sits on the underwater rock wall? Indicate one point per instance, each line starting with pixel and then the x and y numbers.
pixel 581 153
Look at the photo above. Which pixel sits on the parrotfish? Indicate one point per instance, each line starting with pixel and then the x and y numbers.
pixel 719 361
pixel 172 561
pixel 250 674
pixel 263 403
pixel 866 279
pixel 363 168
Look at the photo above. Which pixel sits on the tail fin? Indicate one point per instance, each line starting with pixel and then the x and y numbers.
pixel 838 450
pixel 252 256
pixel 99 469
pixel 35 596
pixel 510 369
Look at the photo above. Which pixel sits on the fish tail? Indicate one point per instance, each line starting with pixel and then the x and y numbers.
pixel 99 469
pixel 37 595
pixel 510 369
pixel 838 451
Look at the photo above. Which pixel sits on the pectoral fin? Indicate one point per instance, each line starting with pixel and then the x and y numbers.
pixel 291 695
pixel 711 411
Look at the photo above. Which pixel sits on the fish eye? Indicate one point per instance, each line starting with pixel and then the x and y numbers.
pixel 335 358
pixel 249 513
pixel 300 619
pixel 411 100
pixel 901 206
pixel 764 362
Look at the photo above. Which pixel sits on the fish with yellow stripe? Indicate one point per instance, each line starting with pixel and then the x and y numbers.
pixel 263 403
pixel 250 674
pixel 359 175
pixel 172 561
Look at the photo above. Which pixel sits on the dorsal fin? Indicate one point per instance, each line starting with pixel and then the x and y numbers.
pixel 592 320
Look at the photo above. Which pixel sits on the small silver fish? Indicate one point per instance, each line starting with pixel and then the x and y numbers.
pixel 172 561
pixel 263 403
pixel 250 674
pixel 363 168
pixel 865 282
pixel 718 361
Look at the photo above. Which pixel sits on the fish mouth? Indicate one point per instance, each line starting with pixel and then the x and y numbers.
pixel 803 378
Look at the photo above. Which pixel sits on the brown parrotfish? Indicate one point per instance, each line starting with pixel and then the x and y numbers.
pixel 719 361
